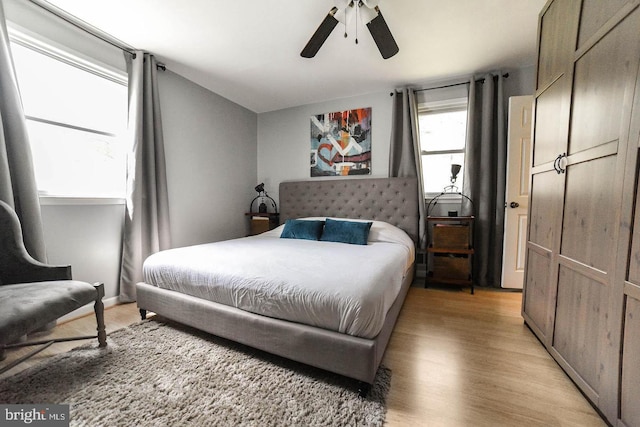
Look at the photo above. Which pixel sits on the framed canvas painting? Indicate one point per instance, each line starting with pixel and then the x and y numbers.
pixel 341 143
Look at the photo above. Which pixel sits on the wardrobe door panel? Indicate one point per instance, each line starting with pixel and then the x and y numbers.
pixel 545 208
pixel 595 13
pixel 557 40
pixel 536 301
pixel 552 122
pixel 588 219
pixel 601 81
pixel 577 323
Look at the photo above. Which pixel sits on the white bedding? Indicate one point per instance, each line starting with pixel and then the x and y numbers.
pixel 337 286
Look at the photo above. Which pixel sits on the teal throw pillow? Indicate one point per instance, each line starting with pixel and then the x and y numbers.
pixel 301 229
pixel 356 233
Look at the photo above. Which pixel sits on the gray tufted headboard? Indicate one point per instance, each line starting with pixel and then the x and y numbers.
pixel 394 200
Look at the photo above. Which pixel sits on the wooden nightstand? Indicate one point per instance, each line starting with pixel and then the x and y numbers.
pixel 450 251
pixel 261 222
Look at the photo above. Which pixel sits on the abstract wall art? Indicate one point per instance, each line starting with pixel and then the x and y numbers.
pixel 341 143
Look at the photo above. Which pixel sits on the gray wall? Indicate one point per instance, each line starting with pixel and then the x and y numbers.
pixel 520 82
pixel 86 234
pixel 210 145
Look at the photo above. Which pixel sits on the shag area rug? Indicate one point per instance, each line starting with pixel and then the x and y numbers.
pixel 156 373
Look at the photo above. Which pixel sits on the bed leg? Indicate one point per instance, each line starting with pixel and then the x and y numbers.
pixel 363 389
pixel 143 313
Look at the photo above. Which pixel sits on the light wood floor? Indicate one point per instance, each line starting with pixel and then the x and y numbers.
pixel 456 359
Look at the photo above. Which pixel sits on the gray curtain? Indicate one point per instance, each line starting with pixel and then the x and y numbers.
pixel 404 154
pixel 146 226
pixel 17 180
pixel 485 175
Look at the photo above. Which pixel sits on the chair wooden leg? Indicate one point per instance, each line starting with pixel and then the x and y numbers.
pixel 99 309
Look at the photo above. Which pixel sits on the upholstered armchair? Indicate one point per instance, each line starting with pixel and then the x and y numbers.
pixel 33 295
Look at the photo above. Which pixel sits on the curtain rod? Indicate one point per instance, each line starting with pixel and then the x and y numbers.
pixel 87 28
pixel 481 80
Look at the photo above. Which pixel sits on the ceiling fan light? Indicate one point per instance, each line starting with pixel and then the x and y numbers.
pixel 371 4
pixel 342 4
pixel 367 15
pixel 344 16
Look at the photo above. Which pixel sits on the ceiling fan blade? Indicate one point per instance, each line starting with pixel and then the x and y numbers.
pixel 382 36
pixel 321 35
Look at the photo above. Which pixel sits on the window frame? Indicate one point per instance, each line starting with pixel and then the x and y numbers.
pixel 438 107
pixel 29 40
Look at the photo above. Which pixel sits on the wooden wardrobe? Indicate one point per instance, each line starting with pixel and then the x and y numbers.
pixel 582 280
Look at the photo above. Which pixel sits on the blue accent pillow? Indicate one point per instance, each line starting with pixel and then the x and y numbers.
pixel 302 229
pixel 356 233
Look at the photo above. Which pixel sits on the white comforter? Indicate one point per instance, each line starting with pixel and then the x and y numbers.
pixel 337 286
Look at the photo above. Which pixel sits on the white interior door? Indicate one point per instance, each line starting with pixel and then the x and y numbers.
pixel 517 193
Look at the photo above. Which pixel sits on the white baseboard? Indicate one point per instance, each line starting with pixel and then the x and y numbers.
pixel 87 309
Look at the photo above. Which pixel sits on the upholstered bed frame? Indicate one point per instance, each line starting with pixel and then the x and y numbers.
pixel 393 200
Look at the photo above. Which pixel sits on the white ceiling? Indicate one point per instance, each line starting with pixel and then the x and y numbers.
pixel 249 50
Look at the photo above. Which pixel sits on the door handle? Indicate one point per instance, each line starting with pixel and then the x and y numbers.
pixel 514 205
pixel 556 163
pixel 560 163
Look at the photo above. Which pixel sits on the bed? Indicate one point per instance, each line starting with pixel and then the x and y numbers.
pixel 349 345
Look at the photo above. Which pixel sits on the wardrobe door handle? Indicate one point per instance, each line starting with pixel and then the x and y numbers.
pixel 556 164
pixel 562 169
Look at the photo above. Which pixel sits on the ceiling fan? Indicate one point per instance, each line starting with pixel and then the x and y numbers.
pixel 369 13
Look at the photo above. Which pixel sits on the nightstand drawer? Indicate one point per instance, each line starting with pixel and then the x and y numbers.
pixel 259 222
pixel 451 236
pixel 259 225
pixel 451 267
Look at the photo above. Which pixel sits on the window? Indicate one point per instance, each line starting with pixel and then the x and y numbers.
pixel 76 119
pixel 443 126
